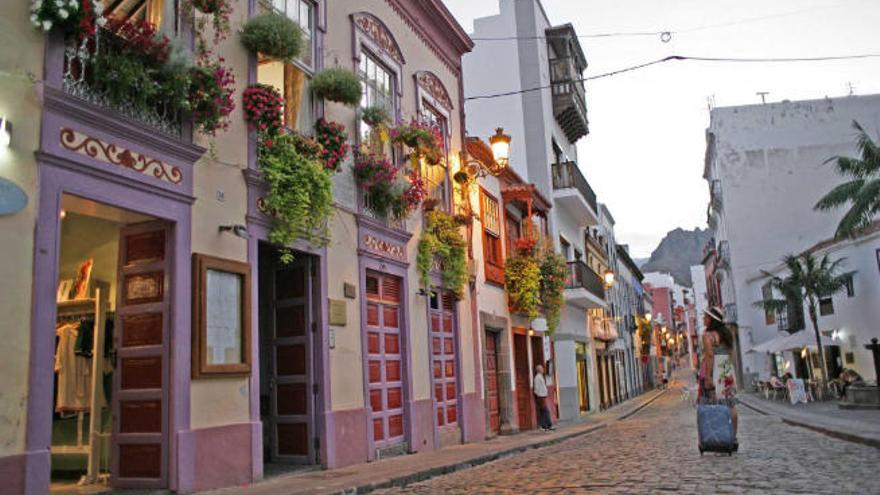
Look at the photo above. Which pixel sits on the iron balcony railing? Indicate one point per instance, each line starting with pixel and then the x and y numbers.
pixel 580 276
pixel 81 61
pixel 569 99
pixel 567 174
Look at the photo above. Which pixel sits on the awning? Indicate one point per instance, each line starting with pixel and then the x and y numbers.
pixel 771 345
pixel 797 340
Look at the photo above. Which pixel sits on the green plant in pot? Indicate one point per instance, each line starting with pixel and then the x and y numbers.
pixel 273 35
pixel 554 272
pixel 442 240
pixel 300 198
pixel 522 278
pixel 375 116
pixel 339 85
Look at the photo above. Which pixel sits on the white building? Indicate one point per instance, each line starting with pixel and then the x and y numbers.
pixel 701 299
pixel 765 169
pixel 544 126
pixel 850 316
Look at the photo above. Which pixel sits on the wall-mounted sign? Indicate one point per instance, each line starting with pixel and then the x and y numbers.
pixel 348 290
pixel 385 248
pixel 338 313
pixel 12 198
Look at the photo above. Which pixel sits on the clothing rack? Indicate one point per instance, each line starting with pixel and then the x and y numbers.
pixel 95 307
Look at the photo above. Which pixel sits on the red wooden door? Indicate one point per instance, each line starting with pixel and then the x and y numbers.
pixel 443 358
pixel 491 359
pixel 290 387
pixel 385 358
pixel 524 402
pixel 140 379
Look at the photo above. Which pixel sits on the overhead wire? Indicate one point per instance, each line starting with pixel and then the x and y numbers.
pixel 672 58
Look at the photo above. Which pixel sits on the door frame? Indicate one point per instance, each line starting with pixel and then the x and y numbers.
pixel 59 176
pixel 400 270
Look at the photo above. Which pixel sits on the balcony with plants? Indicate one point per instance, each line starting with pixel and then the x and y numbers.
pixel 119 61
pixel 567 64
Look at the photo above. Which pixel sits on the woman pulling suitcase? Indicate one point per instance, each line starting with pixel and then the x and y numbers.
pixel 717 378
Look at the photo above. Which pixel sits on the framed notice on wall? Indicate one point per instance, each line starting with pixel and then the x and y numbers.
pixel 221 343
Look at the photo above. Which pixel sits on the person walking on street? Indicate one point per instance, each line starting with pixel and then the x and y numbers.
pixel 717 375
pixel 539 388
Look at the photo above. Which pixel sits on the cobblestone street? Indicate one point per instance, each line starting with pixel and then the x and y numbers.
pixel 655 451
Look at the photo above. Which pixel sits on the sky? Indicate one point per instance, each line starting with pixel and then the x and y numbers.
pixel 644 154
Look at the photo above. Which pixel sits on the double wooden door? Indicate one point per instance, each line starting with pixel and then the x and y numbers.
pixel 140 379
pixel 491 366
pixel 385 358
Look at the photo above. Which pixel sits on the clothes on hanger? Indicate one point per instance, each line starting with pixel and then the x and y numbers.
pixel 74 371
pixel 85 338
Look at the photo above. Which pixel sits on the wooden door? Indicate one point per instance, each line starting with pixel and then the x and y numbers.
pixel 385 358
pixel 600 370
pixel 491 367
pixel 523 385
pixel 140 378
pixel 443 358
pixel 291 391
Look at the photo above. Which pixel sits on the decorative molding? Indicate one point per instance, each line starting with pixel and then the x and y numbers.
pixel 438 30
pixel 107 121
pixel 109 153
pixel 384 248
pixel 376 31
pixel 431 84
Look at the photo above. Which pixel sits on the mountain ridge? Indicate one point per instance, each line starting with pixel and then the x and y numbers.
pixel 677 252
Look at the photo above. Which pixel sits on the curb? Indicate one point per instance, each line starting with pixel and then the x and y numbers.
pixel 401 481
pixel 849 437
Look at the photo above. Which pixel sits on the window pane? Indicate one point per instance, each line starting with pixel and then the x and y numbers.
pixel 292 9
pixel 305 16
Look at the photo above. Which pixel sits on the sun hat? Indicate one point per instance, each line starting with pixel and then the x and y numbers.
pixel 715 313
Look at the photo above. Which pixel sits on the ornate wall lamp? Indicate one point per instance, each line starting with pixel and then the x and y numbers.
pixel 478 160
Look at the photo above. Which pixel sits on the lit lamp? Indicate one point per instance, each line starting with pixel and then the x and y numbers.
pixel 609 278
pixel 500 144
pixel 648 317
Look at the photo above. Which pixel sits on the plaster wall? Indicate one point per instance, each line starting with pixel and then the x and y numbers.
pixel 768 160
pixel 701 299
pixel 221 199
pixel 19 103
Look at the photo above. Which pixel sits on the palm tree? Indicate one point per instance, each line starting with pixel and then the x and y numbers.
pixel 861 192
pixel 809 280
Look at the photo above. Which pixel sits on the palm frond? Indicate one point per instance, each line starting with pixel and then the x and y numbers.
pixel 870 153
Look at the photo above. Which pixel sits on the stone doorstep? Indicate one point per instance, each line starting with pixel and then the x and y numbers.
pixel 283 484
pixel 803 422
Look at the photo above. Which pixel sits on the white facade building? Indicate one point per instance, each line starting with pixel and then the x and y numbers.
pixel 544 126
pixel 765 165
pixel 701 298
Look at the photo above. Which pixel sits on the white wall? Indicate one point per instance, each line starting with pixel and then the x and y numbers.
pixel 769 161
pixel 701 298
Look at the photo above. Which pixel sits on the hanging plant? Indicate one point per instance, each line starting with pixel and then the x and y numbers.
pixel 300 197
pixel 262 110
pixel 339 85
pixel 522 278
pixel 554 272
pixel 375 116
pixel 77 17
pixel 273 35
pixel 307 146
pixel 415 192
pixel 390 196
pixel 334 143
pixel 420 136
pixel 442 241
pixel 211 97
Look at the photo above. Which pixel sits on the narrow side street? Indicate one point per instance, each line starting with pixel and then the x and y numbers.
pixel 655 451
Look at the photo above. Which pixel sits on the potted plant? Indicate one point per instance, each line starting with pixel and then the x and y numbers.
pixel 339 85
pixel 375 116
pixel 219 11
pixel 273 35
pixel 211 96
pixel 554 272
pixel 522 278
pixel 334 142
pixel 442 241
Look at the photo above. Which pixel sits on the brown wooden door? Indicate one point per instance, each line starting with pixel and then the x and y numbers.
pixel 523 385
pixel 140 379
pixel 443 358
pixel 491 367
pixel 385 358
pixel 290 388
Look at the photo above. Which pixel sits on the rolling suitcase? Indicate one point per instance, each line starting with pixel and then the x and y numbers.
pixel 715 428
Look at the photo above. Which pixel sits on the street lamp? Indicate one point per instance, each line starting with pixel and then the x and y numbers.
pixel 609 278
pixel 648 317
pixel 500 143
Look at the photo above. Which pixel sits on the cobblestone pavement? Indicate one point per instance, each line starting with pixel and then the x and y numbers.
pixel 656 451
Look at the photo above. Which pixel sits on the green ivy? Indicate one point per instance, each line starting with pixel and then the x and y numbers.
pixel 300 195
pixel 339 85
pixel 442 240
pixel 554 272
pixel 522 278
